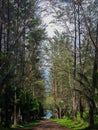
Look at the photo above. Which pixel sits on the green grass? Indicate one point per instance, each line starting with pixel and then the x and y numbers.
pixel 96 121
pixel 26 125
pixel 79 125
pixel 68 123
pixel 22 125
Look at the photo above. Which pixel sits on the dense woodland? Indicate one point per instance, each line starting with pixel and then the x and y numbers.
pixel 21 79
pixel 71 58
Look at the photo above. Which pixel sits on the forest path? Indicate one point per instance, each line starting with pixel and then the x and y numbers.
pixel 48 125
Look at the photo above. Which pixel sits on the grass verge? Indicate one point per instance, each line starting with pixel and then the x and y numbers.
pixel 68 123
pixel 79 125
pixel 26 125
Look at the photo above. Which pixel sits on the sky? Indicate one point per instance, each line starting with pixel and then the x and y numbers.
pixel 48 18
pixel 48 114
pixel 48 15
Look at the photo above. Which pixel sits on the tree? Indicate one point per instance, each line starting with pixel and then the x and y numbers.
pixel 60 73
pixel 82 16
pixel 17 22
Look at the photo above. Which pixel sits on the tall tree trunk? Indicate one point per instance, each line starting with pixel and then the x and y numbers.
pixel 1 29
pixel 60 111
pixel 15 113
pixel 0 25
pixel 91 115
pixel 74 73
pixel 74 107
pixel 80 60
pixel 8 26
pixel 95 68
pixel 6 107
pixel 81 108
pixel 95 81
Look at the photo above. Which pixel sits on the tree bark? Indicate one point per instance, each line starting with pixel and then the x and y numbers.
pixel 80 60
pixel 95 70
pixel 15 113
pixel 1 10
pixel 8 26
pixel 0 35
pixel 6 107
pixel 95 67
pixel 95 81
pixel 74 73
pixel 74 107
pixel 91 115
pixel 81 108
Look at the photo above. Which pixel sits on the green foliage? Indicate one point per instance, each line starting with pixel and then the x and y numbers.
pixel 60 73
pixel 80 124
pixel 21 81
pixel 70 124
pixel 96 119
pixel 86 115
pixel 26 125
pixel 30 107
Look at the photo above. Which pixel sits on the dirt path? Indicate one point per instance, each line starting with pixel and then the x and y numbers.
pixel 49 125
pixel 46 125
